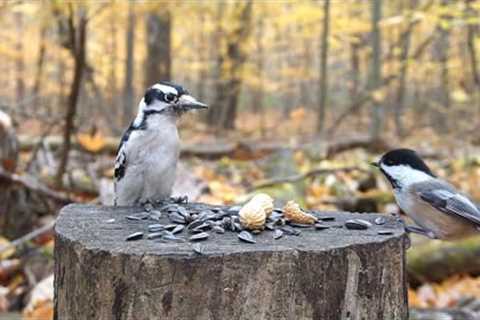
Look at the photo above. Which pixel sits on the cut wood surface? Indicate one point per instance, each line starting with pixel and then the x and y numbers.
pixel 321 274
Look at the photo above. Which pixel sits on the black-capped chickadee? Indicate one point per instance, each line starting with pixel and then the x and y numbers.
pixel 439 210
pixel 147 156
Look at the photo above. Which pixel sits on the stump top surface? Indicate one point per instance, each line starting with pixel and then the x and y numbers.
pixel 92 227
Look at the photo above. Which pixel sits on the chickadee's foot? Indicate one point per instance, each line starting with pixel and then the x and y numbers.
pixel 420 231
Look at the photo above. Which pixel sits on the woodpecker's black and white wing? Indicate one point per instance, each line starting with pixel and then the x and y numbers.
pixel 446 199
pixel 121 159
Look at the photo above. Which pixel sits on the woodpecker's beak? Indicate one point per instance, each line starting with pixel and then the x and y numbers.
pixel 375 164
pixel 188 102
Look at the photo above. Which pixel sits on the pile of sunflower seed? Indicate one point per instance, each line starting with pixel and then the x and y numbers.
pixel 198 221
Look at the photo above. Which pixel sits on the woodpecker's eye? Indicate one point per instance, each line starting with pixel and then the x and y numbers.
pixel 170 97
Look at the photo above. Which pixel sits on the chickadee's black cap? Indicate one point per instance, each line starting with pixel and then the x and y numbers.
pixel 408 157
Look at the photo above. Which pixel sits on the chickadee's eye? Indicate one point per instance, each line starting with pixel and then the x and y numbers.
pixel 170 97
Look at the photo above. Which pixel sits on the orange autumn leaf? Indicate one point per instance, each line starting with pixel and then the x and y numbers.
pixel 91 142
pixel 42 310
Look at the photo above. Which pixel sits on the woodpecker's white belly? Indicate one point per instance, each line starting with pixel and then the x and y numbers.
pixel 151 164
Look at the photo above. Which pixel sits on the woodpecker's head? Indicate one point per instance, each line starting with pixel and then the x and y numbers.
pixel 169 99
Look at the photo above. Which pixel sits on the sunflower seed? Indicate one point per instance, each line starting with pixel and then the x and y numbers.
pixel 270 226
pixel 170 226
pixel 201 228
pixel 183 212
pixel 194 224
pixel 156 226
pixel 176 218
pixel 277 234
pixel 380 220
pixel 138 217
pixel 198 248
pixel 199 236
pixel 246 237
pixel 357 224
pixel 326 218
pixel 321 226
pixel 238 226
pixel 134 236
pixel 178 229
pixel 155 215
pixel 290 231
pixel 275 216
pixel 171 238
pixel 202 216
pixel 218 229
pixel 155 235
pixel 300 225
pixel 384 232
pixel 110 221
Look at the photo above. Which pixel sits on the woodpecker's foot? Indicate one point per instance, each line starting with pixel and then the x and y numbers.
pixel 146 204
pixel 179 200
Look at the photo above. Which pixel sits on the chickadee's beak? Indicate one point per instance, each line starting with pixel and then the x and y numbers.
pixel 375 164
pixel 188 102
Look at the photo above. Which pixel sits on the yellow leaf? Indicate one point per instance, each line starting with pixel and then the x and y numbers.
pixel 91 142
pixel 5 254
pixel 460 96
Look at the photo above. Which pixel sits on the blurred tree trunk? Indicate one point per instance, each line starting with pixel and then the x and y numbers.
pixel 237 54
pixel 214 113
pixel 19 61
pixel 231 66
pixel 128 107
pixel 323 84
pixel 112 94
pixel 75 41
pixel 470 12
pixel 375 77
pixel 404 64
pixel 305 90
pixel 158 62
pixel 40 63
pixel 203 59
pixel 258 91
pixel 441 53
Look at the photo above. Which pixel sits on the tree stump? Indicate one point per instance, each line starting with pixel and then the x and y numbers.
pixel 334 273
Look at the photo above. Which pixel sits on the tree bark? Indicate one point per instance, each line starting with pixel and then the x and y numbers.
pixel 323 84
pixel 375 80
pixel 158 35
pixel 329 274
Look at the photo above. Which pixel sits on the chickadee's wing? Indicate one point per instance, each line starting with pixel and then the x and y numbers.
pixel 451 202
